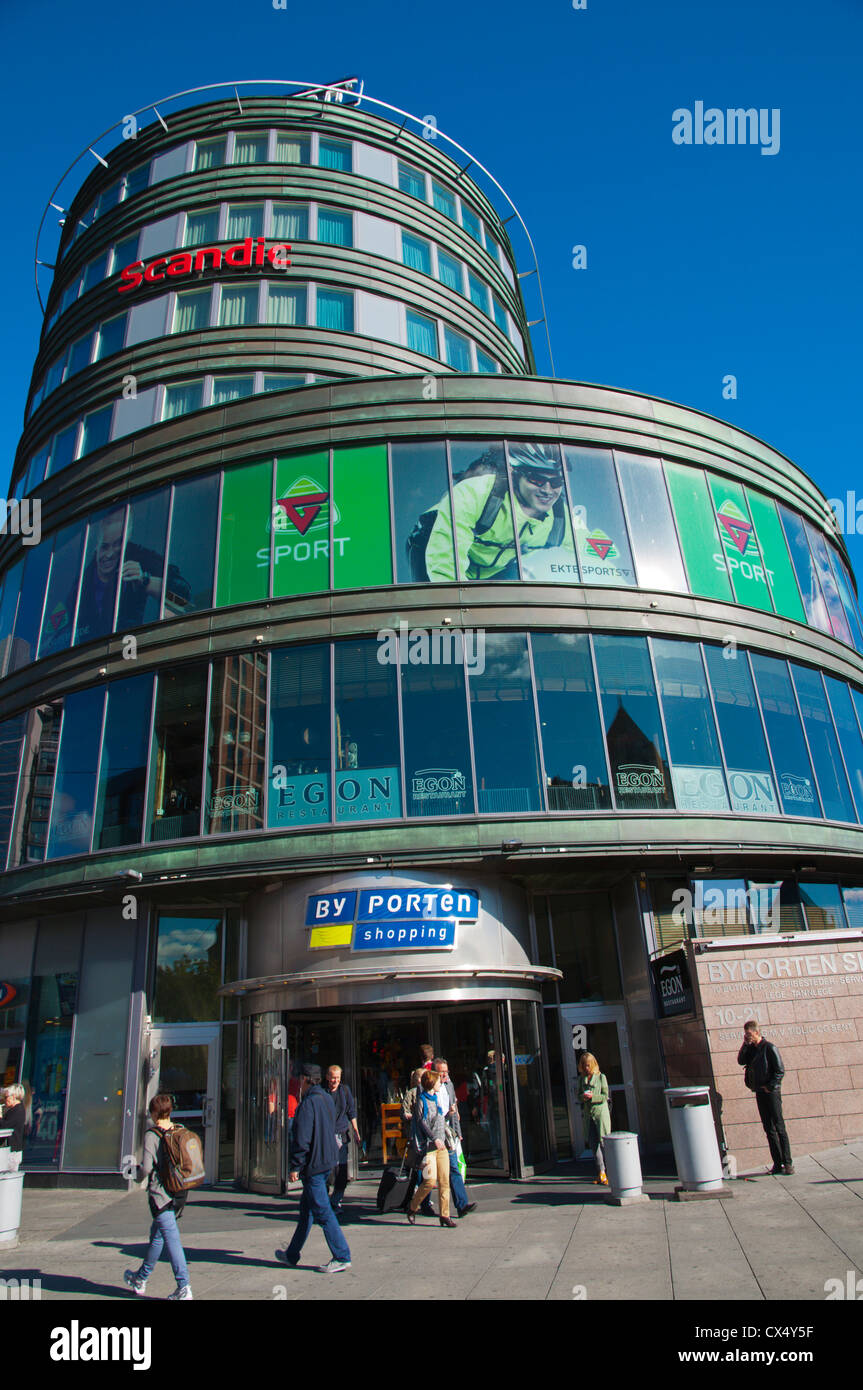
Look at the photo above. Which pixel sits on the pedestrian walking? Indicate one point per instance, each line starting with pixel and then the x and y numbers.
pixel 429 1141
pixel 14 1118
pixel 346 1125
pixel 165 1208
pixel 314 1155
pixel 595 1112
pixel 763 1075
pixel 449 1105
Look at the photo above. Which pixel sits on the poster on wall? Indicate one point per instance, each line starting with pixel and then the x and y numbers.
pixel 673 985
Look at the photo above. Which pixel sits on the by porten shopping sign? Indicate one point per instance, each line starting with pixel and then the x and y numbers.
pixel 383 919
pixel 243 255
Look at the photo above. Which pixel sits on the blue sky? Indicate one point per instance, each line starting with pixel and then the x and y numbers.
pixel 703 260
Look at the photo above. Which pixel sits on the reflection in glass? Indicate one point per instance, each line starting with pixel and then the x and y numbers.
pixel 692 743
pixel 37 783
pixel 144 562
pixel 192 547
pixel 597 517
pixel 8 609
pixel 527 1074
pixel 188 970
pixel 849 736
pixel 235 758
pixel 29 618
pixel 504 727
pixel 476 1069
pixel 657 553
pixel 11 750
pixel 804 568
pixel 123 772
pixel 75 784
pixel 846 592
pixel 822 903
pixel 368 783
pixel 823 744
pixel 300 750
pixel 176 767
pixel 750 780
pixel 835 611
pixel 633 731
pixel 437 751
pixel 98 595
pixel 265 1101
pixel 59 614
pixel 420 490
pixel 787 744
pixel 544 527
pixel 584 947
pixel 576 774
pixel 53 999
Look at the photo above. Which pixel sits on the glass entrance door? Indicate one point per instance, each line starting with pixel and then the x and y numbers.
pixel 185 1064
pixel 266 1104
pixel 600 1029
pixel 387 1050
pixel 470 1040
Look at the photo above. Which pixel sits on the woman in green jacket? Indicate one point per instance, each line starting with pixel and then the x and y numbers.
pixel 596 1116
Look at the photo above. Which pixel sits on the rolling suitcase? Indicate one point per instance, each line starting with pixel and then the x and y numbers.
pixel 393 1188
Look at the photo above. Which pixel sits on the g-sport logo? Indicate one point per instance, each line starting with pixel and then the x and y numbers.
pixel 253 252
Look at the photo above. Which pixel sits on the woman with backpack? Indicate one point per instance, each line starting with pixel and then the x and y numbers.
pixel 165 1207
pixel 595 1111
pixel 428 1143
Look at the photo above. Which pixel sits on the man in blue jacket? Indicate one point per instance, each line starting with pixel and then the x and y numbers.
pixel 314 1153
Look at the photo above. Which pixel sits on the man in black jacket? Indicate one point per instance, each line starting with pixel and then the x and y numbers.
pixel 314 1154
pixel 763 1075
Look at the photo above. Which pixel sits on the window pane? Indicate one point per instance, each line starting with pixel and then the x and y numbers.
pixel 750 780
pixel 283 383
pixel 823 744
pixel 291 149
pixel 137 180
pixel 95 272
pixel 79 357
pixel 335 310
pixel 63 450
pixel 485 542
pixel 846 593
pixel 492 247
pixel 244 219
pixel 235 759
pixel 576 776
pixel 11 760
pixel 696 765
pixel 188 973
pixel 478 292
pixel 209 154
pixel 180 400
pixel 37 781
pixel 177 757
pixel 449 271
pixel 503 717
pixel 62 590
pixel 29 618
pixel 584 946
pixel 849 736
pixel 335 154
pixel 412 182
pixel 53 1001
pixel 457 351
pixel 125 253
pixel 368 779
pixel 250 149
pixel 416 253
pixel 286 304
pixel 499 315
pixel 835 611
pixel 471 223
pixel 232 388
pixel 443 201
pixel 143 561
pixel 300 740
pixel 111 337
pixel 633 732
pixel 437 750
pixel 484 363
pixel 123 774
pixel 202 228
pixel 75 788
pixel 192 547
pixel 657 554
pixel 110 198
pixel 192 311
pixel 796 786
pixel 804 568
pixel 238 306
pixel 823 905
pixel 35 471
pixel 703 551
pixel 97 430
pixel 420 487
pixel 101 572
pixel 291 221
pixel 597 518
pixel 543 525
pixel 422 334
pixel 335 228
pixel 244 533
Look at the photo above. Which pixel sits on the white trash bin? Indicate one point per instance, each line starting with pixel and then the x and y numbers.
pixel 693 1136
pixel 11 1192
pixel 623 1167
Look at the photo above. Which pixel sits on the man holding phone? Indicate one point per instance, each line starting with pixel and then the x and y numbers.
pixel 763 1075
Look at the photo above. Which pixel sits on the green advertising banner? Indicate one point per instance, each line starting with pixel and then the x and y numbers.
pixel 362 551
pixel 703 553
pixel 739 544
pixel 777 561
pixel 301 519
pixel 244 534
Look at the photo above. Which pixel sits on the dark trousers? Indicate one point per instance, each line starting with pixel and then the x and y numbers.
pixel 770 1110
pixel 339 1175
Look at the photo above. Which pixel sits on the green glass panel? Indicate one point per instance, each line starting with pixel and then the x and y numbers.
pixel 244 534
pixel 696 525
pixel 740 544
pixel 777 561
pixel 362 552
pixel 302 522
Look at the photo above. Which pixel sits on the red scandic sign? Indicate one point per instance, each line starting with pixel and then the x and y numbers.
pixel 243 254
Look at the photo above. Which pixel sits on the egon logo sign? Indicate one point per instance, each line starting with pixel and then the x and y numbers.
pixel 253 252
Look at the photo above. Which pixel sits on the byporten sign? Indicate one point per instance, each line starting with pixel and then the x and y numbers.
pixel 381 919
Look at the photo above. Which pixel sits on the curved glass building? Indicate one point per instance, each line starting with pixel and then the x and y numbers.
pixel 361 688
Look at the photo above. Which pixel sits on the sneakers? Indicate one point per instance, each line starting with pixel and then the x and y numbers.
pixel 284 1259
pixel 334 1267
pixel 135 1282
pixel 788 1172
pixel 182 1293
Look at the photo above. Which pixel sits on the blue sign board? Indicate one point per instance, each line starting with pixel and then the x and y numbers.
pixel 416 905
pixel 324 909
pixel 394 936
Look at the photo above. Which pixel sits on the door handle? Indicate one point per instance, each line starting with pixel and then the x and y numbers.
pixel 207 1113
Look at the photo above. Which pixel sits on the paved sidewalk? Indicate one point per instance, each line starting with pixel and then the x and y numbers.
pixel 551 1238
